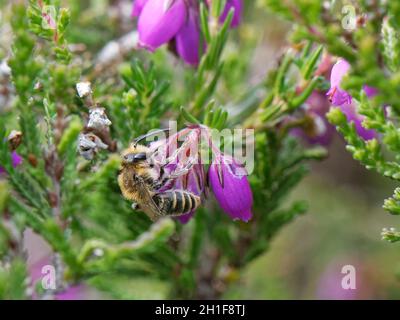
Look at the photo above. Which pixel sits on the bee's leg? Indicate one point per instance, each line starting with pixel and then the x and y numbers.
pixel 165 179
pixel 164 182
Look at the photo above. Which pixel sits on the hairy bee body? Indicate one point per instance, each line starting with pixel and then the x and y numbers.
pixel 176 202
pixel 140 182
pixel 130 186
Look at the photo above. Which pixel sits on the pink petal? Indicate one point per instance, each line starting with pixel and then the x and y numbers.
pixel 159 22
pixel 188 39
pixel 138 7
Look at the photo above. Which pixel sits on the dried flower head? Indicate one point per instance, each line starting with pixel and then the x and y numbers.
pixel 14 139
pixel 89 144
pixel 84 89
pixel 98 119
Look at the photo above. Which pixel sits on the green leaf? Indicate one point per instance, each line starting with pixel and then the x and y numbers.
pixel 188 117
pixel 311 62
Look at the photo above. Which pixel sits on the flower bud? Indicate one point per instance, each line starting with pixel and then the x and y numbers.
pixel 231 188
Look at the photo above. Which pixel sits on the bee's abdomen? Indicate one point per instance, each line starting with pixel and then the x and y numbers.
pixel 176 202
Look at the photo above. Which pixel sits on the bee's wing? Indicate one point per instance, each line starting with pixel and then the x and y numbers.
pixel 146 196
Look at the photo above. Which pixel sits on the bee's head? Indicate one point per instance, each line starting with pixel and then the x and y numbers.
pixel 135 155
pixel 131 158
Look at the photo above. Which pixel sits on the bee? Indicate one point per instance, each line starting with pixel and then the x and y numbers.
pixel 140 181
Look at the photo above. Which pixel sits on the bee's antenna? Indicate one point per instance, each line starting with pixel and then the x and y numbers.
pixel 140 138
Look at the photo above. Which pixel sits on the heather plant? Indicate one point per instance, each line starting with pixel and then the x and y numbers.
pixel 77 99
pixel 363 36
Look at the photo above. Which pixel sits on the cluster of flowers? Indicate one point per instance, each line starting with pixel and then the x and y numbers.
pixel 180 155
pixel 176 22
pixel 318 130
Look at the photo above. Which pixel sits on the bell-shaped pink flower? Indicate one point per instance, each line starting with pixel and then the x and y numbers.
pixel 176 22
pixel 336 94
pixel 188 39
pixel 159 22
pixel 343 99
pixel 231 188
pixel 184 165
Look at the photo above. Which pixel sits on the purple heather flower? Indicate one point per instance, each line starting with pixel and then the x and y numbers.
pixel 184 163
pixel 16 161
pixel 370 91
pixel 316 129
pixel 175 22
pixel 231 188
pixel 138 7
pixel 336 94
pixel 159 21
pixel 188 39
pixel 343 99
pixel 192 182
pixel 237 6
pixel 352 115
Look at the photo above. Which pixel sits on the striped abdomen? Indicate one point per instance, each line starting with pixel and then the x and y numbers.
pixel 176 202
